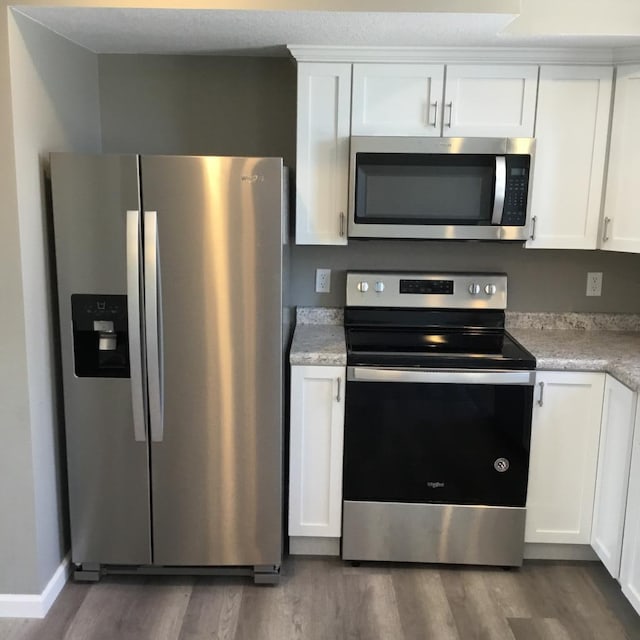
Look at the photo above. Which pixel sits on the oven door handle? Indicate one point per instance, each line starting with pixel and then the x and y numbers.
pixel 496 377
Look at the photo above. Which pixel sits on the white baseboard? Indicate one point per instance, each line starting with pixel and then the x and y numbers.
pixel 35 606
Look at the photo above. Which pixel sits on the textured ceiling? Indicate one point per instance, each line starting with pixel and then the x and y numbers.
pixel 170 31
pixel 194 31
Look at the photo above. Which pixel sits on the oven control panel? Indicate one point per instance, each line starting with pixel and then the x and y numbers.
pixel 427 290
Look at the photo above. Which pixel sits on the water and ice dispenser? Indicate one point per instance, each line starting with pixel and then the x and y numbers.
pixel 100 336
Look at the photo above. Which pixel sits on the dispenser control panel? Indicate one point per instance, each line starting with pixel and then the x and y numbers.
pixel 100 335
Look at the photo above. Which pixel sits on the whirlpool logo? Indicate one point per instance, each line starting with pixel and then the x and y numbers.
pixel 435 485
pixel 252 178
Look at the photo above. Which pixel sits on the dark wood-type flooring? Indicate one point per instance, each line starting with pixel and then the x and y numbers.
pixel 329 599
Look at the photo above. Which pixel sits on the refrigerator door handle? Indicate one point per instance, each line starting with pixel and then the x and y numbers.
pixel 153 316
pixel 134 325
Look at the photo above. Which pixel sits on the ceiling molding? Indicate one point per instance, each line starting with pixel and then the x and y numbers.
pixel 628 55
pixel 463 55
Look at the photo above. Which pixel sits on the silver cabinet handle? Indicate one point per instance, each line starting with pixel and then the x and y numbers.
pixel 500 190
pixel 338 393
pixel 533 228
pixel 134 325
pixel 449 105
pixel 153 317
pixel 342 224
pixel 540 397
pixel 605 235
pixel 434 106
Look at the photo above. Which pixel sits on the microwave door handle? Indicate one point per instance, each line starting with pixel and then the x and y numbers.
pixel 501 189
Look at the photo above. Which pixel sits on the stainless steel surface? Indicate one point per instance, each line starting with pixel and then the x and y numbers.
pixel 440 376
pixel 449 105
pixel 361 294
pixel 605 232
pixel 216 482
pixel 500 189
pixel 541 396
pixel 533 228
pixel 408 532
pixel 217 474
pixel 108 471
pixel 400 144
pixel 153 318
pixel 107 342
pixel 138 399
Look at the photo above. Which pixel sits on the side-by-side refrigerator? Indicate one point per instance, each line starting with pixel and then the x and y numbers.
pixel 170 291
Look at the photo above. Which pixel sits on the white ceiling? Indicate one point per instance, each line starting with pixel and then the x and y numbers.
pixel 235 32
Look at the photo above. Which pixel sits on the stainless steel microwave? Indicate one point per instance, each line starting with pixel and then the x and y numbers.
pixel 440 188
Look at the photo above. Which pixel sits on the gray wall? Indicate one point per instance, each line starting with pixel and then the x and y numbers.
pixel 198 105
pixel 246 106
pixel 54 107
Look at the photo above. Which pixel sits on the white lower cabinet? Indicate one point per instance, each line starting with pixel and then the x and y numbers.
pixel 614 458
pixel 564 453
pixel 316 442
pixel 630 564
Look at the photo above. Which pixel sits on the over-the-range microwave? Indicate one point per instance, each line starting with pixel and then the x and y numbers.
pixel 440 188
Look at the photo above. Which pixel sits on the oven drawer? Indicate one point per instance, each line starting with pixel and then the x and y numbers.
pixel 447 437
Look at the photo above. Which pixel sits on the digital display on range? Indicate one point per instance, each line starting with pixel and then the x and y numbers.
pixel 426 287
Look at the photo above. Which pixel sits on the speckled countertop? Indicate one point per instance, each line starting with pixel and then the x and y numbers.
pixel 319 337
pixel 561 342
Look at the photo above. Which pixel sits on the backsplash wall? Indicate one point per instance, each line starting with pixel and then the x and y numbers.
pixel 539 280
pixel 246 106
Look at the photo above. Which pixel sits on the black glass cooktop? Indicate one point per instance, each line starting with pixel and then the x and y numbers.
pixel 468 342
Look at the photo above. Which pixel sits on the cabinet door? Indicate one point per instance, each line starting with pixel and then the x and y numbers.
pixel 572 125
pixel 397 99
pixel 564 456
pixel 316 443
pixel 614 458
pixel 492 101
pixel 322 161
pixel 621 224
pixel 630 565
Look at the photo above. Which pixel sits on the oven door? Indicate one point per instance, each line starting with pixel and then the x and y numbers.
pixel 447 437
pixel 435 465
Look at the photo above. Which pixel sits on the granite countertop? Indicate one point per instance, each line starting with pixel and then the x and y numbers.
pixel 318 338
pixel 561 342
pixel 616 352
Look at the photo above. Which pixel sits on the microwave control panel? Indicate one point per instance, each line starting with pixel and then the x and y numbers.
pixel 516 190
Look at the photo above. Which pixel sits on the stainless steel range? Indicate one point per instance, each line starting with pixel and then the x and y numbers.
pixel 438 420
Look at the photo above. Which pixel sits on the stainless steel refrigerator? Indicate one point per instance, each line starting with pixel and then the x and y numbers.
pixel 170 292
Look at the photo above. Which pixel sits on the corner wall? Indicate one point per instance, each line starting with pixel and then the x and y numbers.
pixel 55 107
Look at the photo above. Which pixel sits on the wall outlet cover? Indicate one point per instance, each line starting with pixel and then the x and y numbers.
pixel 323 280
pixel 594 283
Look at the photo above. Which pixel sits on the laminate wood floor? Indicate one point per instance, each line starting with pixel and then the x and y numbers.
pixel 326 599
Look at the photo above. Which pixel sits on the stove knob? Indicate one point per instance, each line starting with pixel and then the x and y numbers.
pixel 379 287
pixel 474 289
pixel 490 289
pixel 363 286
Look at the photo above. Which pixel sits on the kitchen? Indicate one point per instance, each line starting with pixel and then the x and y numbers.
pixel 539 280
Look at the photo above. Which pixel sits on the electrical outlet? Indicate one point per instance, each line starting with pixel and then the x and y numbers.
pixel 323 280
pixel 594 283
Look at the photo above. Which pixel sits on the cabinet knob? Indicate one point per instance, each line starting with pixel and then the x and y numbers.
pixel 605 231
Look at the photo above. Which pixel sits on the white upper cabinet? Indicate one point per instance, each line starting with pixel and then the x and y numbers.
pixel 397 99
pixel 621 223
pixel 614 458
pixel 322 158
pixel 572 124
pixel 490 100
pixel 564 455
pixel 478 100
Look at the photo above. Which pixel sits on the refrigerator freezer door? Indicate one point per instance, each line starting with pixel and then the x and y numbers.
pixel 217 472
pixel 108 468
